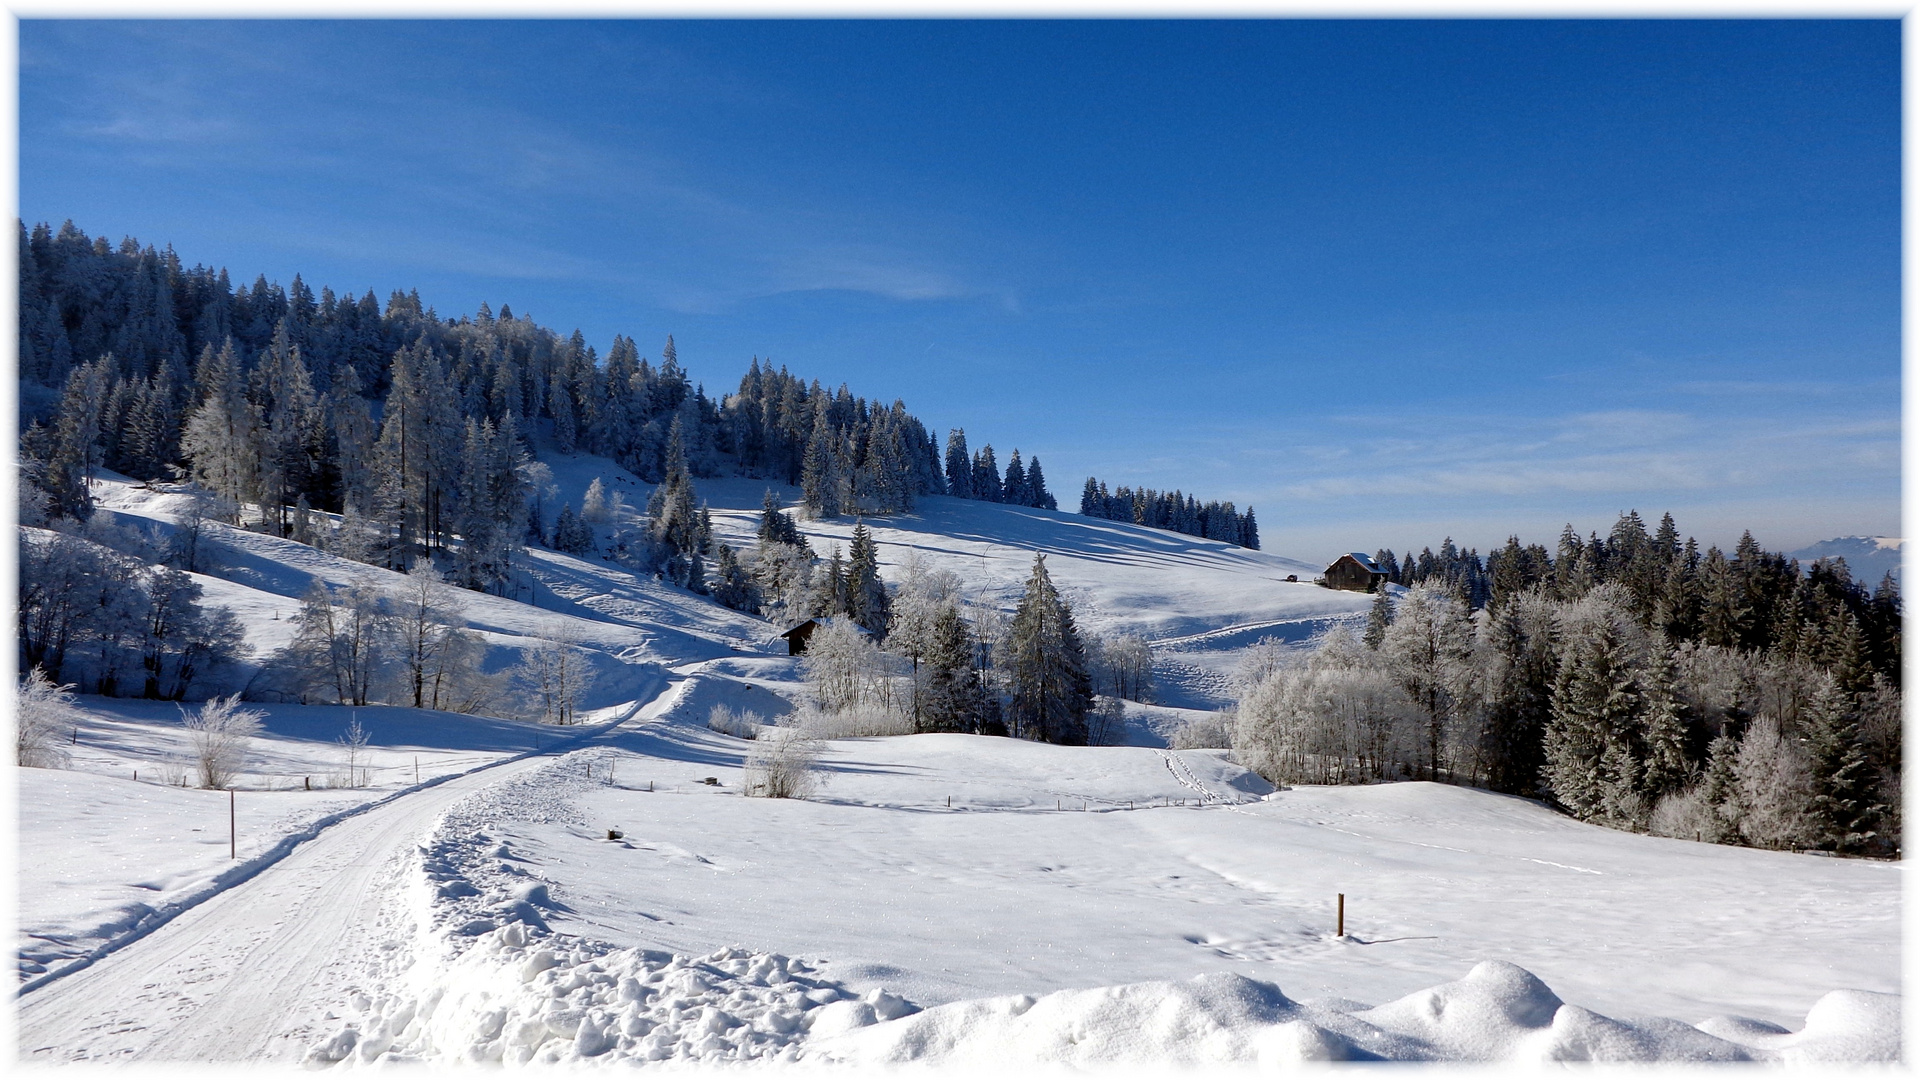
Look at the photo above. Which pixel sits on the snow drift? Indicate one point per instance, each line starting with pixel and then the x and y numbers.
pixel 1497 1013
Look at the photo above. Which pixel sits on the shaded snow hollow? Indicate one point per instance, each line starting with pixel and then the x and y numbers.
pixel 494 982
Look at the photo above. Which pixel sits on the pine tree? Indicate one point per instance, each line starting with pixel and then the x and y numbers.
pixel 1595 703
pixel 1014 489
pixel 866 594
pixel 732 586
pixel 819 476
pixel 1046 667
pixel 570 534
pixel 986 475
pixel 954 699
pixel 1379 617
pixel 1664 732
pixel 1093 499
pixel 776 525
pixel 1724 612
pixel 830 588
pixel 75 454
pixel 1842 806
pixel 1719 791
pixel 959 465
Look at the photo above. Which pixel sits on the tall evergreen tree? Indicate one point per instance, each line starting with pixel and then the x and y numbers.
pixel 866 594
pixel 1047 671
pixel 959 465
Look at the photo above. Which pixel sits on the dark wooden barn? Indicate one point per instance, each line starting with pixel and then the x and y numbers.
pixel 798 637
pixel 1355 573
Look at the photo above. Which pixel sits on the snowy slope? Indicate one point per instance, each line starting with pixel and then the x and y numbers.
pixel 943 898
pixel 619 908
pixel 1116 885
pixel 1201 601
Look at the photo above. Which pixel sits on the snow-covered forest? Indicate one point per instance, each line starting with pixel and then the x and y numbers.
pixel 1628 679
pixel 1171 510
pixel 413 426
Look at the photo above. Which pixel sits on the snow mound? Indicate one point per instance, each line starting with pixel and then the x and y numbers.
pixel 517 997
pixel 492 981
pixel 1498 1013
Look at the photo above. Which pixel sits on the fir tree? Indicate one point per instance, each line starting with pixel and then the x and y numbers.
pixel 1842 807
pixel 1014 489
pixel 1047 673
pixel 986 475
pixel 866 594
pixel 1038 496
pixel 959 465
pixel 732 586
pixel 1379 617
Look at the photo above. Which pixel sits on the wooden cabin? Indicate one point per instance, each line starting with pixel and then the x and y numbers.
pixel 798 637
pixel 1355 572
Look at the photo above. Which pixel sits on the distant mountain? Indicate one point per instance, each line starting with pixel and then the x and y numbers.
pixel 1869 557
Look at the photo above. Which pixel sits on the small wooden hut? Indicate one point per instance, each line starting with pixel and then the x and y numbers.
pixel 1355 572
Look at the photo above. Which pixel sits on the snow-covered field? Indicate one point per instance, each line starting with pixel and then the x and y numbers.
pixel 942 898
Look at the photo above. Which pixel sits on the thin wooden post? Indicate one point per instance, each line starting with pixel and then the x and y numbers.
pixel 233 828
pixel 1340 928
pixel 309 783
pixel 416 768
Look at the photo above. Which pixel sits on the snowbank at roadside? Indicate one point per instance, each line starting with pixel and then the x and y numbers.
pixel 494 982
pixel 1497 1013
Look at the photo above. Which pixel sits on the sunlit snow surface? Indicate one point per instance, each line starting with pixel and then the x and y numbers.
pixel 951 898
pixel 1023 926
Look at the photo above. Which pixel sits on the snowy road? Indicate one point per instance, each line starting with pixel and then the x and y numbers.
pixel 254 973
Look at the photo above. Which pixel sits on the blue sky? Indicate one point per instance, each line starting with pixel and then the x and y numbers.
pixel 1387 281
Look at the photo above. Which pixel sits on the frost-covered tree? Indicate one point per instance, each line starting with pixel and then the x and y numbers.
pixel 593 506
pixel 553 674
pixel 42 713
pixel 426 627
pixel 732 586
pixel 1339 717
pixel 221 735
pixel 1596 706
pixel 1124 668
pixel 846 668
pixel 1428 648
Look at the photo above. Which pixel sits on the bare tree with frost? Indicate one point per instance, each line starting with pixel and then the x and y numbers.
pixel 553 673
pixel 42 712
pixel 221 735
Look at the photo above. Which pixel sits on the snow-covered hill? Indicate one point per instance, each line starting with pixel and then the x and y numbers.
pixel 1869 558
pixel 1201 601
pixel 944 898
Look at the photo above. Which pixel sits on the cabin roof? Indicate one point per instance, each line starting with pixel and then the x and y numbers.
pixel 824 621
